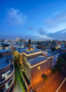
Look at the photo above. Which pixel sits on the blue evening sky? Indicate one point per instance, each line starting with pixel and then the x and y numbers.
pixel 35 19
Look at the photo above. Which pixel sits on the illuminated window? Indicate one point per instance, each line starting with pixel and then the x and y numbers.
pixel 3 75
pixel 38 67
pixel 6 74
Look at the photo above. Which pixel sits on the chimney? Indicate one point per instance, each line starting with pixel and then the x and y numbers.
pixel 29 44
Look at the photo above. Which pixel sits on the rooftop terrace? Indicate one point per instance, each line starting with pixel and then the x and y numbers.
pixel 50 53
pixel 20 50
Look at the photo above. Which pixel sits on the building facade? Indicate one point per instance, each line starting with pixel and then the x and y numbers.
pixel 33 65
pixel 6 71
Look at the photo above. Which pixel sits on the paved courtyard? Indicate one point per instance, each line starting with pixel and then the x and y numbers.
pixel 63 87
pixel 51 84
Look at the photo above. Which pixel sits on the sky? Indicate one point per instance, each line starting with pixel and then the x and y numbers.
pixel 35 19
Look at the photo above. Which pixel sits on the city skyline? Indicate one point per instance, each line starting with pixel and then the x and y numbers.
pixel 35 19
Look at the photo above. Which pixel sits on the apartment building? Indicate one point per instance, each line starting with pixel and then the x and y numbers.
pixel 34 63
pixel 6 71
pixel 62 50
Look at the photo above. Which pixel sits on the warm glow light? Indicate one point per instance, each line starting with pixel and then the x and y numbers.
pixel 30 49
pixel 49 71
pixel 38 67
pixel 32 53
pixel 36 64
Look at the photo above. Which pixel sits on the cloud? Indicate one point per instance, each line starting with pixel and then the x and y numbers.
pixel 43 34
pixel 60 35
pixel 31 28
pixel 15 17
pixel 56 20
pixel 36 37
pixel 42 31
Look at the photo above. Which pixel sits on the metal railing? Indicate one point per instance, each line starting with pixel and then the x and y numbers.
pixel 8 75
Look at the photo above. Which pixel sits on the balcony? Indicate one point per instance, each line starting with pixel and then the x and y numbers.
pixel 2 79
pixel 7 75
pixel 3 89
pixel 7 85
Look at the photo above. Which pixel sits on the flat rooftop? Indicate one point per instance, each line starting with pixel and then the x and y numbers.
pixel 63 48
pixel 4 62
pixel 36 60
pixel 4 50
pixel 20 50
pixel 33 51
pixel 50 53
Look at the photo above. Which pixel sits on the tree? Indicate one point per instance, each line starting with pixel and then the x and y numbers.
pixel 61 62
pixel 53 70
pixel 53 49
pixel 45 78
